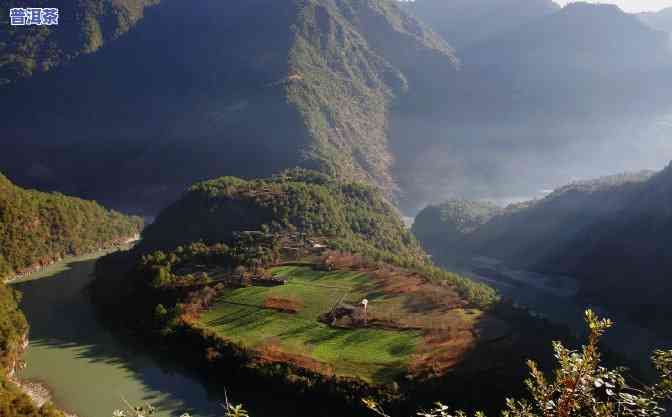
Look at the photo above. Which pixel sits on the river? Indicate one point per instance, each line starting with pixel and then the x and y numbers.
pixel 90 371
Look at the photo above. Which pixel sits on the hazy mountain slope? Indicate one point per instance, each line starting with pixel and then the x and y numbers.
pixel 37 228
pixel 530 234
pixel 532 107
pixel 446 224
pixel 661 20
pixel 580 52
pixel 465 22
pixel 84 27
pixel 181 98
pixel 627 256
pixel 525 233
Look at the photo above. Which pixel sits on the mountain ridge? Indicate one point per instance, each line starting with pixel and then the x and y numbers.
pixel 464 23
pixel 313 88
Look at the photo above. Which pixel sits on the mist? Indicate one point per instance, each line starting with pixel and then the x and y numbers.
pixel 509 162
pixel 575 94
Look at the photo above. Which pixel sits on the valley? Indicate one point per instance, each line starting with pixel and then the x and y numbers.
pixel 269 208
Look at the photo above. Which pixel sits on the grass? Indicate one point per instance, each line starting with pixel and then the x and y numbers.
pixel 416 325
pixel 375 355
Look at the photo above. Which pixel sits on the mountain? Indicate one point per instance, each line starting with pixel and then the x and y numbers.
pixel 611 233
pixel 38 228
pixel 356 89
pixel 180 98
pixel 88 26
pixel 661 20
pixel 532 107
pixel 582 40
pixel 466 22
pixel 563 215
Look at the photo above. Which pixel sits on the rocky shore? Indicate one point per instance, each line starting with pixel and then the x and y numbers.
pixel 38 392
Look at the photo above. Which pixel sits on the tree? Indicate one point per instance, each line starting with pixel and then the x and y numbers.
pixel 162 278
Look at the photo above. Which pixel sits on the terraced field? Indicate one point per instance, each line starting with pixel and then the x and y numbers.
pixel 282 324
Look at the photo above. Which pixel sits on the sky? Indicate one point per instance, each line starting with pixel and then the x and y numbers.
pixel 631 6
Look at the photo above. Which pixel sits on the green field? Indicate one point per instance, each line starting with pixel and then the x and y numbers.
pixel 375 355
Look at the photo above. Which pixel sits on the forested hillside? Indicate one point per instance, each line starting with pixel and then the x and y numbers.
pixel 85 27
pixel 353 214
pixel 312 85
pixel 37 228
pixel 611 233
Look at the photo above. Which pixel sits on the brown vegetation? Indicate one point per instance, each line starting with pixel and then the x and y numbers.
pixel 284 305
pixel 271 352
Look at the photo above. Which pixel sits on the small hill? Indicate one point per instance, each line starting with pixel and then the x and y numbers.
pixel 85 26
pixel 463 23
pixel 266 277
pixel 314 88
pixel 38 228
pixel 451 221
pixel 353 214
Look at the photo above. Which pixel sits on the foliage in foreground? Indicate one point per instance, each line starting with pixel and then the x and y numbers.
pixel 581 386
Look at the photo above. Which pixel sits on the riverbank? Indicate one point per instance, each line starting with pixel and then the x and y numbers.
pixel 117 244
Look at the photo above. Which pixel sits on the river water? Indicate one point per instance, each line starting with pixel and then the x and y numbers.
pixel 91 371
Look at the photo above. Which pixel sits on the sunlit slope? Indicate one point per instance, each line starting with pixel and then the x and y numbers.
pixel 180 98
